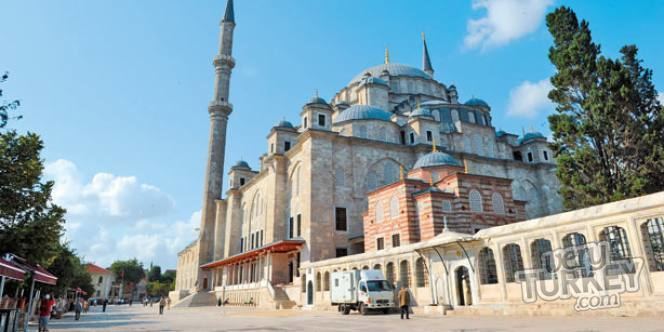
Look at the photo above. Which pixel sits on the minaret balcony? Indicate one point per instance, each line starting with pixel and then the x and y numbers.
pixel 220 106
pixel 221 60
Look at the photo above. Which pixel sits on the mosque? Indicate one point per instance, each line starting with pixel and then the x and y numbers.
pixel 394 172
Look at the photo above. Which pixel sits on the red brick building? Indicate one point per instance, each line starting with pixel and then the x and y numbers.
pixel 437 194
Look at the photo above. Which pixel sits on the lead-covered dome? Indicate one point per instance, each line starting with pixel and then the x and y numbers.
pixel 435 159
pixel 394 69
pixel 241 164
pixel 531 136
pixel 284 124
pixel 476 102
pixel 363 112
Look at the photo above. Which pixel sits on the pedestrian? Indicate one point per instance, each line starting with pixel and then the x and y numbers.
pixel 162 303
pixel 404 301
pixel 168 303
pixel 45 307
pixel 151 302
pixel 78 307
pixel 131 301
pixel 145 301
pixel 86 306
pixel 104 304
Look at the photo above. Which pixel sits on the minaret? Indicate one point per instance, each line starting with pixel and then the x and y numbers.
pixel 219 110
pixel 426 61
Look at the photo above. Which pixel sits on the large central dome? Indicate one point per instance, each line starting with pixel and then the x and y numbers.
pixel 394 69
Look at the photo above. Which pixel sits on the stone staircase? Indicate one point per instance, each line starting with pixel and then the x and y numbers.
pixel 199 299
pixel 281 299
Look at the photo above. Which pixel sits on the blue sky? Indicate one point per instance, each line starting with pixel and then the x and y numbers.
pixel 119 89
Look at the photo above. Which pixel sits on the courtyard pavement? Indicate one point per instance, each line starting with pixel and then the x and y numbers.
pixel 139 318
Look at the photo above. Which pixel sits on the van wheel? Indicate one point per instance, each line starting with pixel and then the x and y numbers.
pixel 346 310
pixel 363 309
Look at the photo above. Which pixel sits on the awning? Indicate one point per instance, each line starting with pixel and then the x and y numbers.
pixel 39 273
pixel 277 247
pixel 44 277
pixel 10 270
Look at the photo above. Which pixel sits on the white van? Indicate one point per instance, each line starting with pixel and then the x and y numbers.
pixel 362 291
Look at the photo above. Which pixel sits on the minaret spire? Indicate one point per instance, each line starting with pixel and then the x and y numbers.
pixel 426 61
pixel 387 55
pixel 219 110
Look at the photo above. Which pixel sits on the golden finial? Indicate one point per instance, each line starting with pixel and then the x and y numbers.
pixel 387 55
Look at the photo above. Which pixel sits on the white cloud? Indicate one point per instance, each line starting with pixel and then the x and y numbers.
pixel 505 21
pixel 661 97
pixel 529 99
pixel 112 217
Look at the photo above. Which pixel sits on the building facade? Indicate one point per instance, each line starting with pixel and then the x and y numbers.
pixel 102 280
pixel 310 196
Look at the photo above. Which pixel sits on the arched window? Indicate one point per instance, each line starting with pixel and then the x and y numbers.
pixel 488 274
pixel 471 117
pixel 318 282
pixel 455 115
pixel 380 214
pixel 377 267
pixel 512 262
pixel 653 238
pixel 394 207
pixel 620 260
pixel 326 281
pixel 389 272
pixel 390 172
pixel 421 275
pixel 404 273
pixel 498 203
pixel 366 267
pixel 542 257
pixel 475 200
pixel 576 258
pixel 303 280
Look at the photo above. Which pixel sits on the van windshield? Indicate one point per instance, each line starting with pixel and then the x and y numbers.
pixel 379 286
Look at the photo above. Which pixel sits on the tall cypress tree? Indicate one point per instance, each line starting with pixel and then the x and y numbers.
pixel 608 125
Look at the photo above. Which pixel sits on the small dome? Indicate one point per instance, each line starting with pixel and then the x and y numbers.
pixel 284 124
pixel 437 158
pixel 363 112
pixel 531 136
pixel 241 164
pixel 421 112
pixel 500 133
pixel 317 100
pixel 476 102
pixel 394 69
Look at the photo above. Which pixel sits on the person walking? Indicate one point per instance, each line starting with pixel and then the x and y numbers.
pixel 104 304
pixel 45 308
pixel 168 303
pixel 162 303
pixel 404 302
pixel 145 301
pixel 78 307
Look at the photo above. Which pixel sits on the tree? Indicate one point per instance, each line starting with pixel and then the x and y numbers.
pixel 129 272
pixel 154 273
pixel 6 106
pixel 159 288
pixel 70 271
pixel 608 126
pixel 30 224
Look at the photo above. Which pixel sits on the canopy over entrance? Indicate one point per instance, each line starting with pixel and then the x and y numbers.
pixel 10 270
pixel 276 247
pixel 16 264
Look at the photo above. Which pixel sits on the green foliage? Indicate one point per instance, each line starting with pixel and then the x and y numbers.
pixel 70 271
pixel 159 288
pixel 169 275
pixel 154 273
pixel 608 128
pixel 30 224
pixel 6 106
pixel 129 270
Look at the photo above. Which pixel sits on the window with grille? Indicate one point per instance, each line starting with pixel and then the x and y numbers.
pixel 380 243
pixel 326 281
pixel 475 201
pixel 404 273
pixel 488 274
pixel 498 203
pixel 321 120
pixel 340 214
pixel 318 282
pixel 653 236
pixel 395 240
pixel 286 146
pixel 512 261
pixel 576 259
pixel 542 258
pixel 421 275
pixel 341 252
pixel 389 272
pixel 429 136
pixel 620 255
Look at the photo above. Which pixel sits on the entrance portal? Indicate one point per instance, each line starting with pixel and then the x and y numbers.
pixel 464 296
pixel 310 293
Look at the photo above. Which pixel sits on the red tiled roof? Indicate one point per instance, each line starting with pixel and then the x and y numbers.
pixel 95 269
pixel 279 246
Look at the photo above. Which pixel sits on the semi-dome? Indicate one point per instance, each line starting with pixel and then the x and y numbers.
pixel 394 69
pixel 421 112
pixel 241 164
pixel 476 102
pixel 284 124
pixel 363 112
pixel 436 158
pixel 531 136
